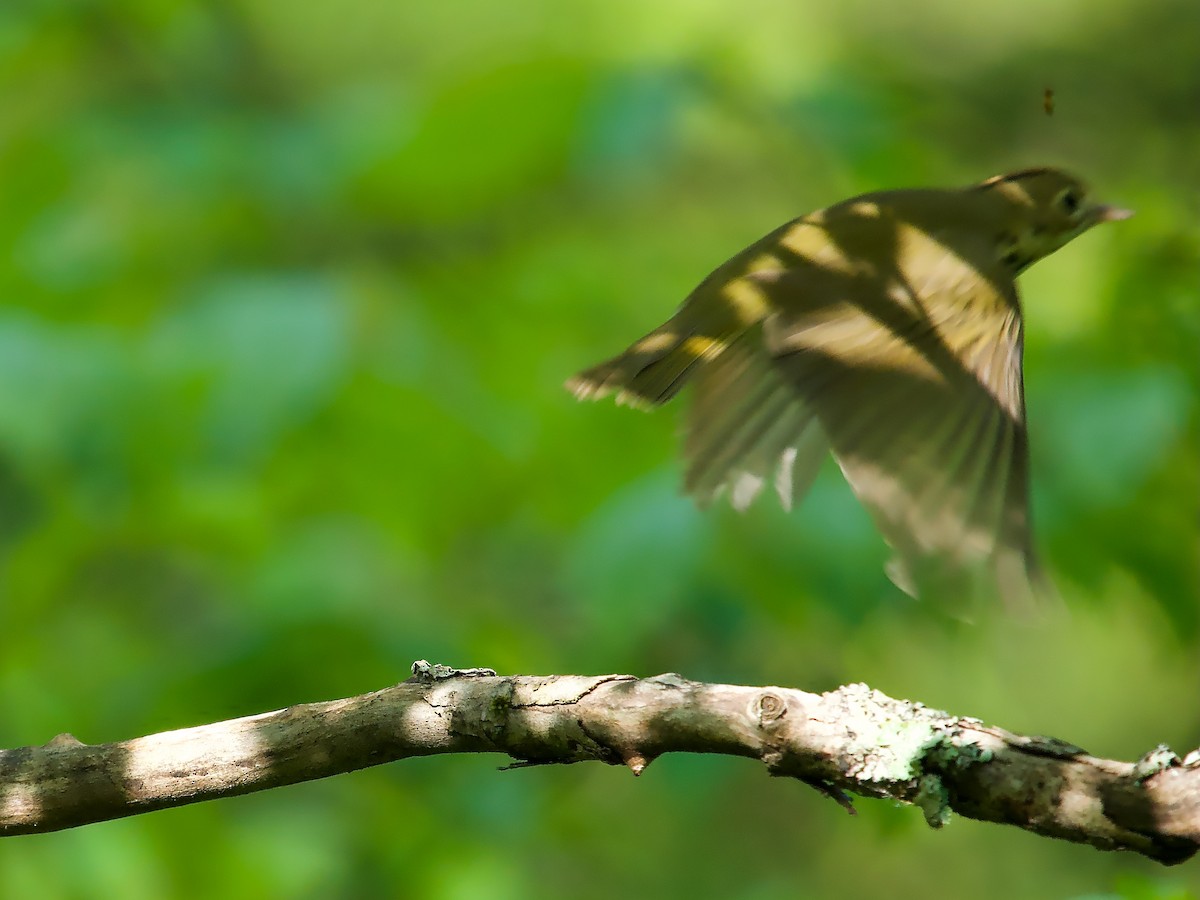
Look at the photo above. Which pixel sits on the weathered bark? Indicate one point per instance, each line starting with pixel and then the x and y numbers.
pixel 852 740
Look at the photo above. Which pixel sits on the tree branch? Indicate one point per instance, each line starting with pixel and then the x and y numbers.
pixel 852 740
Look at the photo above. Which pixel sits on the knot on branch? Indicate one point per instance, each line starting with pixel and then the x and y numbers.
pixel 771 708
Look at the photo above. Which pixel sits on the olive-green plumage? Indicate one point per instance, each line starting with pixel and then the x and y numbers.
pixel 886 329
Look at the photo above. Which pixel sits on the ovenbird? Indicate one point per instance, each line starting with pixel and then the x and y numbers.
pixel 887 330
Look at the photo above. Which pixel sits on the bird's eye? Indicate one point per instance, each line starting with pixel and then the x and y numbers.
pixel 1069 201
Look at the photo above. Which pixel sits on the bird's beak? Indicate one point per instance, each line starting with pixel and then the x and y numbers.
pixel 1105 213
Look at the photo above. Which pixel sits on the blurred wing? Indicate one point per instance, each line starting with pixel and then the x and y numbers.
pixel 922 401
pixel 748 426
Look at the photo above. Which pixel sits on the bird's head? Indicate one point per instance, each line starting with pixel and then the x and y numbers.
pixel 1042 209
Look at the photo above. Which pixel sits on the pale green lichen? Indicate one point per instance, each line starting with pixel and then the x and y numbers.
pixel 897 741
pixel 954 746
pixel 891 736
pixel 1157 760
pixel 933 800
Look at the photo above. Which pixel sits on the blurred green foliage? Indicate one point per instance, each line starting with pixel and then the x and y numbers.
pixel 289 292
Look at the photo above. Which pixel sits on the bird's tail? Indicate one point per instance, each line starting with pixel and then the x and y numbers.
pixel 653 369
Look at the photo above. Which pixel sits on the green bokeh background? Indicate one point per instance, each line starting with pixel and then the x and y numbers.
pixel 289 291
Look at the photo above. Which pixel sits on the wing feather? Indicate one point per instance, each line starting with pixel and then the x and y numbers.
pixel 747 426
pixel 920 397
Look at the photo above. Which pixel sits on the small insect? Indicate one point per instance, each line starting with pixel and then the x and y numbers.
pixel 1048 101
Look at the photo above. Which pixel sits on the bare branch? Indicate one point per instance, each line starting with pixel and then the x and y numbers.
pixel 850 741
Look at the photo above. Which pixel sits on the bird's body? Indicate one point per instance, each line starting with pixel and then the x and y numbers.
pixel 886 329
